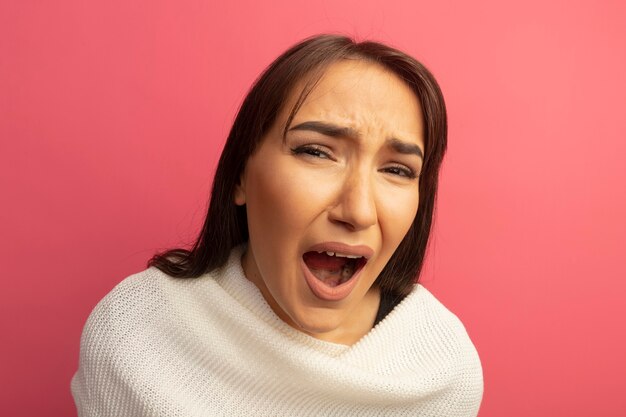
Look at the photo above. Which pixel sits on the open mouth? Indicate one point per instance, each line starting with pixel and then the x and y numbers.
pixel 333 268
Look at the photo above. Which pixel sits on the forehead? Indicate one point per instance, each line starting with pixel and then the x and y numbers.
pixel 364 96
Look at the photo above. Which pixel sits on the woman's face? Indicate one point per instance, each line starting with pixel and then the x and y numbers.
pixel 328 206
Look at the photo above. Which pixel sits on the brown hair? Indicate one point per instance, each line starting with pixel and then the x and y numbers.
pixel 226 226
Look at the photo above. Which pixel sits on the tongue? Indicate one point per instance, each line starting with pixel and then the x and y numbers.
pixel 316 260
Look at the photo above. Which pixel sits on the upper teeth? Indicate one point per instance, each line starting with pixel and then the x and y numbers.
pixel 343 255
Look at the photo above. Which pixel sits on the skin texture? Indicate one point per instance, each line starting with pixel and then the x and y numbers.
pixel 349 189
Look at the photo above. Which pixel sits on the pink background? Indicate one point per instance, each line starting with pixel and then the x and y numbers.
pixel 113 114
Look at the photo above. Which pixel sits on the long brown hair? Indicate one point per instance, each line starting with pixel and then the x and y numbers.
pixel 226 226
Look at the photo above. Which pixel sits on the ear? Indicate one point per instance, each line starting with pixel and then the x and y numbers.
pixel 239 196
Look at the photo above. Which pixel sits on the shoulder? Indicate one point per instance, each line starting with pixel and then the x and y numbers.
pixel 134 305
pixel 107 336
pixel 439 346
pixel 421 325
pixel 434 333
pixel 141 304
pixel 131 298
pixel 444 334
pixel 432 318
pixel 436 310
pixel 424 348
pixel 127 338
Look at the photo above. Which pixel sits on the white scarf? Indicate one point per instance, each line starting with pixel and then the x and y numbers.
pixel 211 346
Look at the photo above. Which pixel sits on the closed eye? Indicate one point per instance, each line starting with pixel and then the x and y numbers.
pixel 400 171
pixel 315 151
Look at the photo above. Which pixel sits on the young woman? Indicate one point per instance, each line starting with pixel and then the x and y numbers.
pixel 299 297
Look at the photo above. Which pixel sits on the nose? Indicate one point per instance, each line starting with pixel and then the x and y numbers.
pixel 355 205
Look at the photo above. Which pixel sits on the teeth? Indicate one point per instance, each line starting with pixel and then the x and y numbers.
pixel 341 255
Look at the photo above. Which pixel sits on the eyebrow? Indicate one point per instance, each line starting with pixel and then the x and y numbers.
pixel 328 129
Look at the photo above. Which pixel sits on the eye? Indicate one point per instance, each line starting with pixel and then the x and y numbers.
pixel 315 151
pixel 400 171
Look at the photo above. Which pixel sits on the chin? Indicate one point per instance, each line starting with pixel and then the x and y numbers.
pixel 318 321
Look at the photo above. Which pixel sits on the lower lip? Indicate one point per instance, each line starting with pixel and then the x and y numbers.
pixel 325 292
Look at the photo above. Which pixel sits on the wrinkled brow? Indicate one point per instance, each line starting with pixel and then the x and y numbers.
pixel 328 129
pixel 405 147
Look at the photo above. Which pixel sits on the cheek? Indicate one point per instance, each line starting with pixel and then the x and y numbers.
pixel 265 205
pixel 283 201
pixel 397 214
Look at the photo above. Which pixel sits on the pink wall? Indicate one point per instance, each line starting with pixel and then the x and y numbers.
pixel 113 113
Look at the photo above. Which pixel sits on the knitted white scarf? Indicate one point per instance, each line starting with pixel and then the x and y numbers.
pixel 211 346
